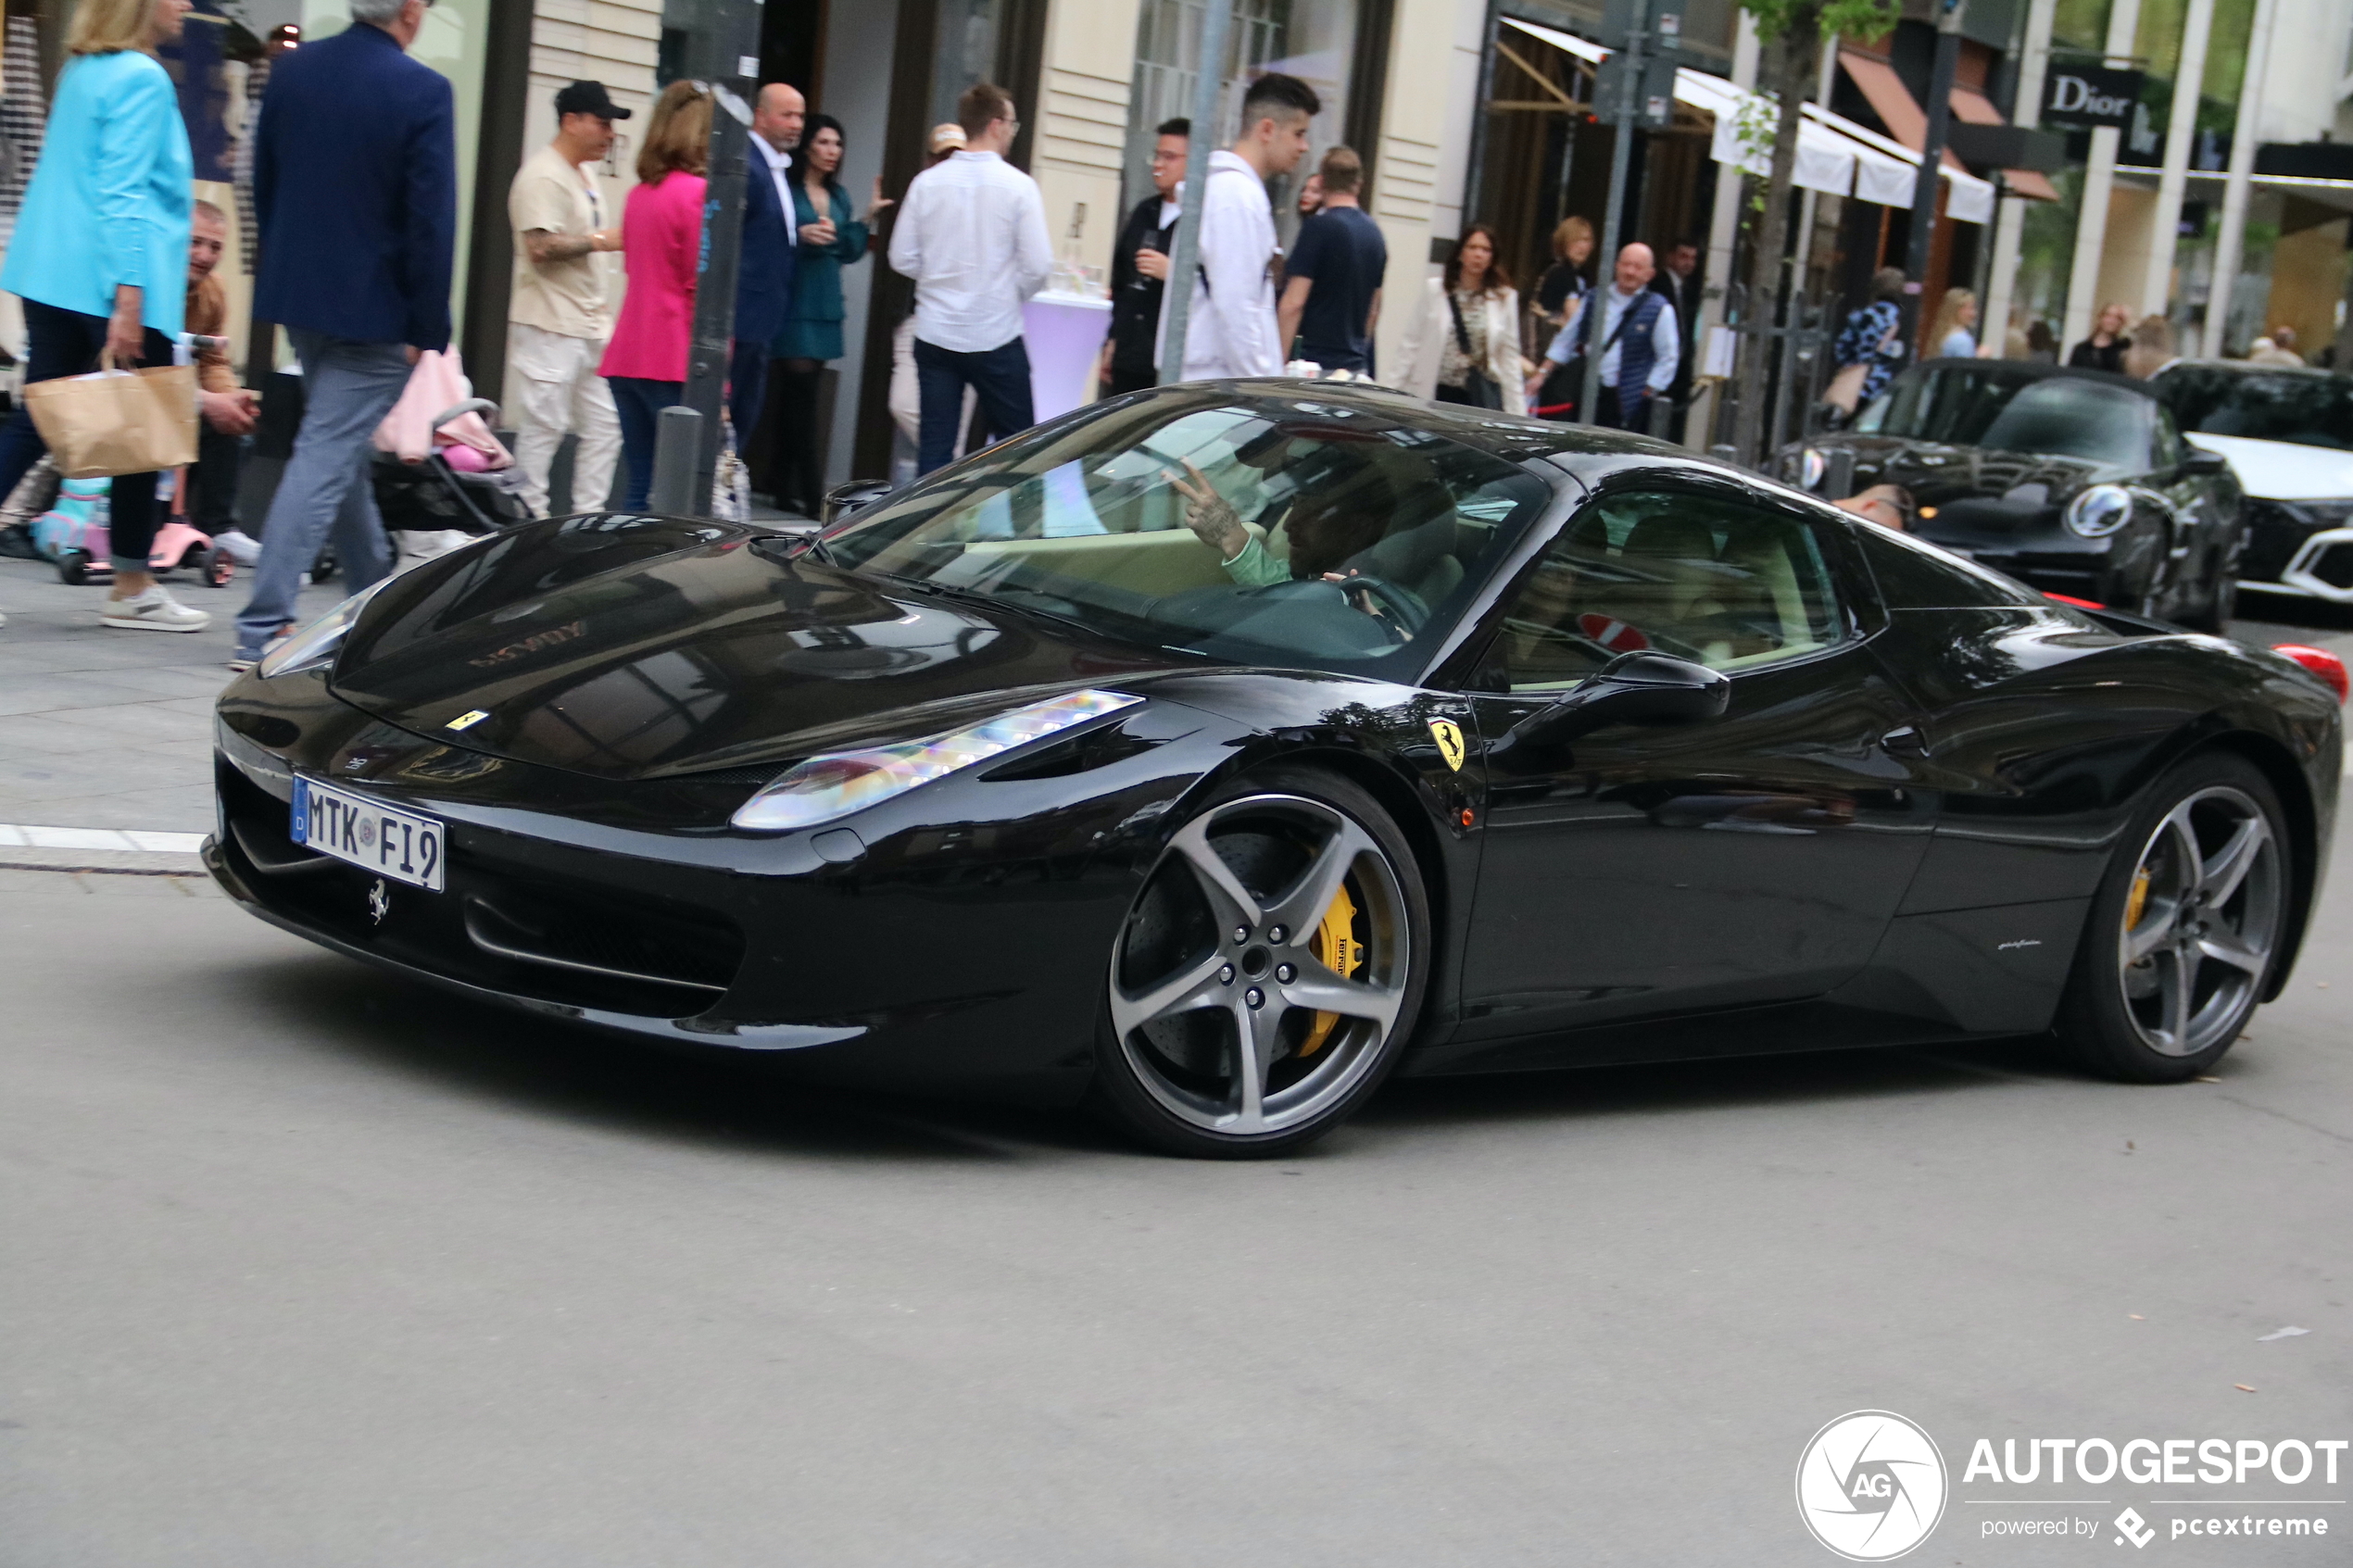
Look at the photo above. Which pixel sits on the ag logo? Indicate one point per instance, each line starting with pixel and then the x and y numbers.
pixel 1449 742
pixel 1871 1486
pixel 379 902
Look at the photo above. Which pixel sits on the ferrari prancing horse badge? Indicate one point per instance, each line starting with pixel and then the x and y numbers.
pixel 1449 742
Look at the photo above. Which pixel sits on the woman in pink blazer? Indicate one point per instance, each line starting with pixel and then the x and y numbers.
pixel 661 240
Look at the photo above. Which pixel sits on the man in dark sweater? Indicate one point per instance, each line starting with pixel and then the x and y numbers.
pixel 1139 270
pixel 1331 288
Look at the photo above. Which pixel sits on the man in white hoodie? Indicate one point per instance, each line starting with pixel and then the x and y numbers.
pixel 1231 327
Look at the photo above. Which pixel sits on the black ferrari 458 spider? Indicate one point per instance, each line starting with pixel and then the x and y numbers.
pixel 1210 753
pixel 2074 482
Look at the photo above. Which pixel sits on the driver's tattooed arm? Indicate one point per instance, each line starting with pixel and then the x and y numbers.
pixel 1215 523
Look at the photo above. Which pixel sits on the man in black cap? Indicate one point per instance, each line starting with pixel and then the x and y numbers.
pixel 561 311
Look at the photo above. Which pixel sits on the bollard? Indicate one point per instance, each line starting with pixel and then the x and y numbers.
pixel 677 443
pixel 1838 474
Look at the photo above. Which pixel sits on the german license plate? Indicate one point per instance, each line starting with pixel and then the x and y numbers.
pixel 401 846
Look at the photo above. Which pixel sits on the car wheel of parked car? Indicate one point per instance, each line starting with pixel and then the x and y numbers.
pixel 1269 973
pixel 2186 928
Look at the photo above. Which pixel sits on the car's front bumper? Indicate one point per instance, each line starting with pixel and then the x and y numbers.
pixel 969 956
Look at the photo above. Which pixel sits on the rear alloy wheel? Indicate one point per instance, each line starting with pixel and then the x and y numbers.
pixel 1269 973
pixel 2184 934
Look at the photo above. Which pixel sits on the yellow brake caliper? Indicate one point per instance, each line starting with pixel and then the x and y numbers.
pixel 2139 900
pixel 1335 947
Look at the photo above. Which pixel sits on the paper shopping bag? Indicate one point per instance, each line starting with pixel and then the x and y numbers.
pixel 116 422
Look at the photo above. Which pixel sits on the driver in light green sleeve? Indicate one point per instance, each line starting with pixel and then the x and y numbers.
pixel 1215 523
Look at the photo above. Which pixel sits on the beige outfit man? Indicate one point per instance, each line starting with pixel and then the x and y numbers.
pixel 558 318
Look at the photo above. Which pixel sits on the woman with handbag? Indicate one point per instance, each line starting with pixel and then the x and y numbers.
pixel 100 257
pixel 1868 351
pixel 1463 344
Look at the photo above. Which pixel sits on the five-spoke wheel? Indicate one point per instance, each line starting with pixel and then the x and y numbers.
pixel 1268 972
pixel 2185 933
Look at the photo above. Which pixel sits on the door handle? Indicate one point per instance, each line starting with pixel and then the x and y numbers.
pixel 1904 741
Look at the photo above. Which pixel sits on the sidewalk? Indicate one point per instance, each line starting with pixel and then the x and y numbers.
pixel 107 728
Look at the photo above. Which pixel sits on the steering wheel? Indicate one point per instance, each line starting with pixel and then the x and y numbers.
pixel 1398 605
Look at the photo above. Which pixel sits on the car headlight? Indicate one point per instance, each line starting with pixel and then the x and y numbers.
pixel 836 783
pixel 316 644
pixel 2099 511
pixel 1811 466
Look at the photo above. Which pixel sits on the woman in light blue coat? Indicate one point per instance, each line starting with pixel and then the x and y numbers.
pixel 100 255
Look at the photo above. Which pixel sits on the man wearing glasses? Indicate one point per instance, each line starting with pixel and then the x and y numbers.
pixel 971 234
pixel 1139 270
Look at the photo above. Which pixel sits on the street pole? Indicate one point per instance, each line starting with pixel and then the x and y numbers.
pixel 1924 189
pixel 2009 223
pixel 1177 295
pixel 2230 239
pixel 2157 283
pixel 1621 151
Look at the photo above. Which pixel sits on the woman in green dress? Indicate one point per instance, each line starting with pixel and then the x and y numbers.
pixel 831 238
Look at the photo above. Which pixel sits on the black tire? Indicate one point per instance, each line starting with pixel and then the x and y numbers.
pixel 73 568
pixel 1178 1011
pixel 2218 603
pixel 322 569
pixel 2170 1013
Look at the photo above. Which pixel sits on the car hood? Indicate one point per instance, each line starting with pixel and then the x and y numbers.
pixel 2282 471
pixel 677 647
pixel 1973 492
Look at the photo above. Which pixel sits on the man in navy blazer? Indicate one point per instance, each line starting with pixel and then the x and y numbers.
pixel 771 237
pixel 355 190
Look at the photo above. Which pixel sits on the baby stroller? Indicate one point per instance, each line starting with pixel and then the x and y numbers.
pixel 453 494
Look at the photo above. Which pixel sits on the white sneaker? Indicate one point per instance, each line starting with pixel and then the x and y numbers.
pixel 154 611
pixel 239 545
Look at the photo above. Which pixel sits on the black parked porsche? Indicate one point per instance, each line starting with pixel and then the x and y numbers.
pixel 1213 752
pixel 2076 482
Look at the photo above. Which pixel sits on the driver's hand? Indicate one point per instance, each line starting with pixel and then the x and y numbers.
pixel 1209 515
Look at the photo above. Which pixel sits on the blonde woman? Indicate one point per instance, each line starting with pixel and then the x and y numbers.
pixel 2103 350
pixel 1462 346
pixel 1956 316
pixel 1564 280
pixel 661 245
pixel 100 256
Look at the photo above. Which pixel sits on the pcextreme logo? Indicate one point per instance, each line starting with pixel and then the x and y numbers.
pixel 1871 1486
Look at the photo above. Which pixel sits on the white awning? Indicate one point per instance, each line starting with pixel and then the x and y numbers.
pixel 1834 155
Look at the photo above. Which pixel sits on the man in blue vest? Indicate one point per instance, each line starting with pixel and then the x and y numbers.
pixel 764 286
pixel 1640 345
pixel 355 185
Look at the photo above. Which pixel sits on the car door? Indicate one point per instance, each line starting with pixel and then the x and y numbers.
pixel 1751 858
pixel 2206 513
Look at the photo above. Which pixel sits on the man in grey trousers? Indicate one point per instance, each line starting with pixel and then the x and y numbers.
pixel 355 189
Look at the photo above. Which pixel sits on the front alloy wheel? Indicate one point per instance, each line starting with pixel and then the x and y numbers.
pixel 2180 948
pixel 1268 973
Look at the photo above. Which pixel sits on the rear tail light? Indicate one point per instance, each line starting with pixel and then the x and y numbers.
pixel 2322 662
pixel 2071 600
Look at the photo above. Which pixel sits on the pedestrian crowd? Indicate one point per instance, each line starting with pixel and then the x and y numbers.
pixel 356 216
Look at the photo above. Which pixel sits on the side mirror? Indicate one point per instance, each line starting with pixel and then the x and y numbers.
pixel 2199 463
pixel 1635 688
pixel 854 496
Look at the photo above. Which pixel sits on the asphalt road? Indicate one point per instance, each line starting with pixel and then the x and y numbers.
pixel 301 1266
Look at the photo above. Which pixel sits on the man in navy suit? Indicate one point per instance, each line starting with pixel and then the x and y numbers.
pixel 355 190
pixel 764 286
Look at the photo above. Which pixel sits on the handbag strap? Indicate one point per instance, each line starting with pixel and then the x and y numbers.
pixel 1461 333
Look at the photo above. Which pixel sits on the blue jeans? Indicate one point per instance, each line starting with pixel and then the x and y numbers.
pixel 1000 379
pixel 639 403
pixel 348 388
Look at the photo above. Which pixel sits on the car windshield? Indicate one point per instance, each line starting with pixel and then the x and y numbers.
pixel 2056 416
pixel 1290 532
pixel 2305 410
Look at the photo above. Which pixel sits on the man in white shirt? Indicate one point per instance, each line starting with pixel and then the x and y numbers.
pixel 559 313
pixel 971 234
pixel 1230 327
pixel 1639 351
